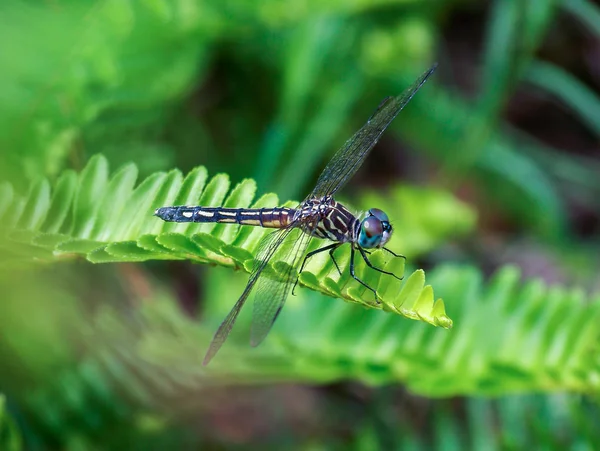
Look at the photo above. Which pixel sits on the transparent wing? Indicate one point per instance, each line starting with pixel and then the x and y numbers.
pixel 271 292
pixel 267 247
pixel 350 157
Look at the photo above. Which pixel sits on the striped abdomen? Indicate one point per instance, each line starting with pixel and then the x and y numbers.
pixel 264 217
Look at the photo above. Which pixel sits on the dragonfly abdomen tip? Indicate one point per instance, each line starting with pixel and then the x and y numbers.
pixel 167 213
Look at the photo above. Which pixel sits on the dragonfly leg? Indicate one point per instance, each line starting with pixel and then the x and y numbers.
pixel 394 254
pixel 354 276
pixel 333 258
pixel 330 248
pixel 370 265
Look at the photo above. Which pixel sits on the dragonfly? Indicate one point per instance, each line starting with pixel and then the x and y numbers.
pixel 319 216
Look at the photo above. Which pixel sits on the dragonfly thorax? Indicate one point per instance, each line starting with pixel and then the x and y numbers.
pixel 317 207
pixel 375 229
pixel 327 219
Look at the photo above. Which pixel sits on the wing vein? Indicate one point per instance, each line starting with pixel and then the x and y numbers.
pixel 351 155
pixel 267 247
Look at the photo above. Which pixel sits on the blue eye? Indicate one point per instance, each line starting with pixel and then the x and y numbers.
pixel 372 227
pixel 375 229
pixel 379 214
pixel 371 232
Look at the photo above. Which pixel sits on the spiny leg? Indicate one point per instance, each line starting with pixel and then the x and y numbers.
pixel 330 248
pixel 331 251
pixel 370 265
pixel 394 254
pixel 356 278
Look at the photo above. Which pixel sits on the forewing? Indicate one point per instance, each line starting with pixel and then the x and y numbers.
pixel 271 292
pixel 350 157
pixel 267 248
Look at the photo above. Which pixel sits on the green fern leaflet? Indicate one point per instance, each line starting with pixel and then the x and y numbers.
pixel 109 219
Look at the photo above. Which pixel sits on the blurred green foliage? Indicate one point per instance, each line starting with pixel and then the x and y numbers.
pixel 108 356
pixel 10 438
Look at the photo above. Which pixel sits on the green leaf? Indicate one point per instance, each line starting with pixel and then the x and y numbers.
pixel 61 201
pixel 10 438
pixel 516 30
pixel 568 90
pixel 36 206
pixel 514 336
pixel 586 11
pixel 135 219
pixel 78 246
pixel 114 201
pixel 130 251
pixel 6 196
pixel 113 221
pixel 305 56
pixel 92 185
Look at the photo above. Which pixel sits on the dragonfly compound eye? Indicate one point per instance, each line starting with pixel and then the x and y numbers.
pixel 371 232
pixel 379 214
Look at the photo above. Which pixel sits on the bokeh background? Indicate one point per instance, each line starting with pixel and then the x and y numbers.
pixel 491 176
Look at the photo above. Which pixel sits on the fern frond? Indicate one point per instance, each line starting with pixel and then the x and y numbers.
pixel 552 422
pixel 96 403
pixel 108 219
pixel 513 337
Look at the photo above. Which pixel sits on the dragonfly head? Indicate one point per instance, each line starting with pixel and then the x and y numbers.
pixel 375 229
